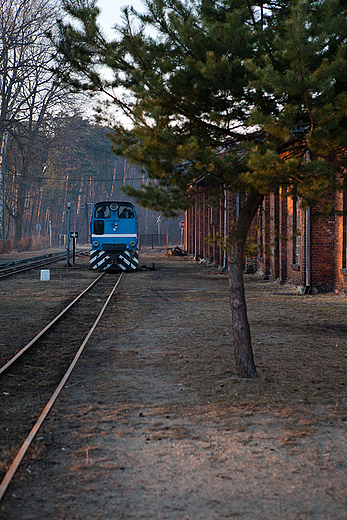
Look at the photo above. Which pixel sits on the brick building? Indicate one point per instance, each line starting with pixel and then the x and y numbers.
pixel 304 247
pixel 207 226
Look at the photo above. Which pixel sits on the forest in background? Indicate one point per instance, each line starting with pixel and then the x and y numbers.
pixel 51 150
pixel 73 163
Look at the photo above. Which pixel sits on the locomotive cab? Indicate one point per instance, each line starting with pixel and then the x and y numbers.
pixel 114 236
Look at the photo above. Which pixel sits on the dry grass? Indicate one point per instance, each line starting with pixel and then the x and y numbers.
pixel 156 424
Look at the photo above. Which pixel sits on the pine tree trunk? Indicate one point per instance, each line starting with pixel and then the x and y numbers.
pixel 245 366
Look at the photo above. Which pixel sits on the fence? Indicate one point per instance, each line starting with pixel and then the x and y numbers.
pixel 152 240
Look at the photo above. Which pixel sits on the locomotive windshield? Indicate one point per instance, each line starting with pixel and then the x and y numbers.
pixel 103 211
pixel 124 210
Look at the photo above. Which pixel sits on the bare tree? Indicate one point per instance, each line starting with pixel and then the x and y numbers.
pixel 25 49
pixel 30 93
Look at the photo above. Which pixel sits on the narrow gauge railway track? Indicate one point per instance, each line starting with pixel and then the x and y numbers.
pixel 31 381
pixel 22 267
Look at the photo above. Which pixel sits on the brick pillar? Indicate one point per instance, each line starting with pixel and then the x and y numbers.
pixel 283 239
pixel 267 237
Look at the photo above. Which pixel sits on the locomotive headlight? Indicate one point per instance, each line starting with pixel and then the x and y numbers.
pixel 95 243
pixel 132 243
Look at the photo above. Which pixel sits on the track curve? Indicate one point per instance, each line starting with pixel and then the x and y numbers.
pixel 24 447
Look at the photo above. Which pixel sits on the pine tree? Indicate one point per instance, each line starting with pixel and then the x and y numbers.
pixel 220 98
pixel 305 77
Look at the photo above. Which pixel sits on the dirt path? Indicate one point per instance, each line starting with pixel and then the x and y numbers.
pixel 154 424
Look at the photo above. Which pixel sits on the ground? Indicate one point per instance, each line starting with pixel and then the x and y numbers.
pixel 155 424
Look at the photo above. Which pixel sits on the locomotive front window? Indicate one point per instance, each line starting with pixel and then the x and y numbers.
pixel 99 227
pixel 125 211
pixel 103 211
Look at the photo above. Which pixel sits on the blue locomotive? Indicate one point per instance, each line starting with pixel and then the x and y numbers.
pixel 114 236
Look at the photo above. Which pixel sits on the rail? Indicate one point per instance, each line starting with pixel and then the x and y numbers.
pixel 45 329
pixel 22 451
pixel 28 265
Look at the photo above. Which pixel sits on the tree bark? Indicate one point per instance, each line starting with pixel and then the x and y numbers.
pixel 19 217
pixel 245 366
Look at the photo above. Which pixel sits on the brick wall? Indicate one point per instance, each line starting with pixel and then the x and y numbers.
pixel 275 226
pixel 323 247
pixel 203 221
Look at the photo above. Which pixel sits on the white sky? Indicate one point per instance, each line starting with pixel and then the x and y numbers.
pixel 111 13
